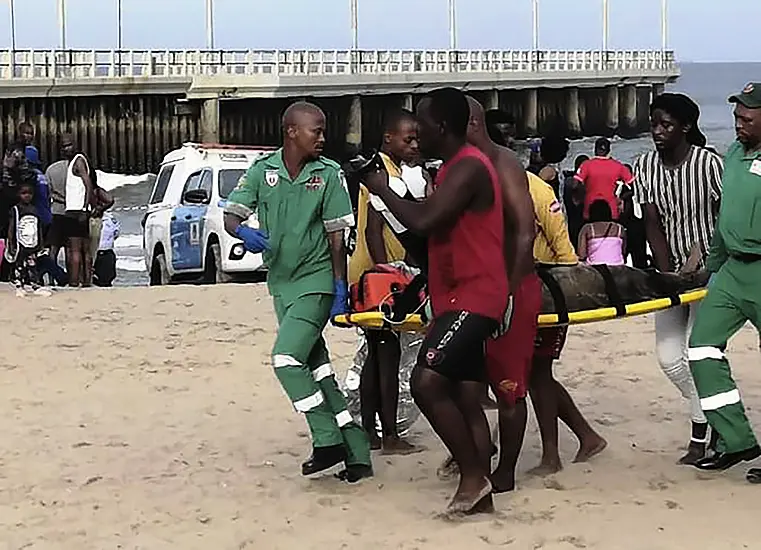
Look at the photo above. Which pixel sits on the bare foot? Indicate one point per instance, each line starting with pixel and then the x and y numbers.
pixel 590 449
pixel 468 496
pixel 546 468
pixel 449 469
pixel 398 446
pixel 502 482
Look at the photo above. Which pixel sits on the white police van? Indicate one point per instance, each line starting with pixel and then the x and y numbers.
pixel 184 239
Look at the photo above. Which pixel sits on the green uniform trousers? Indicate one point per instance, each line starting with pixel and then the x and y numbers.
pixel 733 298
pixel 302 365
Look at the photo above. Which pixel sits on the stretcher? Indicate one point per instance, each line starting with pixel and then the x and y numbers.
pixel 416 323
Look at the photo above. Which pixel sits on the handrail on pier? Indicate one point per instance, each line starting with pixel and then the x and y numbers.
pixel 73 64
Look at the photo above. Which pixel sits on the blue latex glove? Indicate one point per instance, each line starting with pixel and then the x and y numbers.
pixel 340 299
pixel 254 240
pixel 710 280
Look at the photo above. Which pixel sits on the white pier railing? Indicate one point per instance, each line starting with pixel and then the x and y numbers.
pixel 75 64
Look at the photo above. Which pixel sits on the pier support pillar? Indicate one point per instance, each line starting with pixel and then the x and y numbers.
pixel 629 111
pixel 611 121
pixel 531 113
pixel 354 122
pixel 492 100
pixel 210 121
pixel 408 102
pixel 574 116
pixel 658 89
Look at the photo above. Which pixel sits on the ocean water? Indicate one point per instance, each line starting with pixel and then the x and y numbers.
pixel 709 84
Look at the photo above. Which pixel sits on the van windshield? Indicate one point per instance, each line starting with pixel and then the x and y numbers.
pixel 228 179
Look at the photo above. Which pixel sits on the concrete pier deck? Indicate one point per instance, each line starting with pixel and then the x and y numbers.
pixel 147 101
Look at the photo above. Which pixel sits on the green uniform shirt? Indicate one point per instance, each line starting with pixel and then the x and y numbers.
pixel 297 215
pixel 739 226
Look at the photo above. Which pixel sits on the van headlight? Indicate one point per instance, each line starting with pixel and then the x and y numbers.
pixel 237 251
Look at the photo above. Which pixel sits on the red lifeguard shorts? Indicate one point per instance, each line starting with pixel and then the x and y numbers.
pixel 509 357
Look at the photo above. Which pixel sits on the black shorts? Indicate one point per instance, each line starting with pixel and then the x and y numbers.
pixel 455 346
pixel 56 234
pixel 76 227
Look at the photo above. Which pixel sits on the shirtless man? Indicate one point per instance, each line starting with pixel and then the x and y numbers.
pixel 509 357
pixel 464 221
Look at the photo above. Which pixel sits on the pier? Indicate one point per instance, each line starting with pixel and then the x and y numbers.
pixel 126 109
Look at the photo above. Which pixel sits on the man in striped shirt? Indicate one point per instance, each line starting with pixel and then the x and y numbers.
pixel 679 187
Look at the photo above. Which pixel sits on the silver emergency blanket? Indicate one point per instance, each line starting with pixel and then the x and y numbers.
pixel 408 412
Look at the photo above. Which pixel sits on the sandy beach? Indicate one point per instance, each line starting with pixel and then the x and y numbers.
pixel 150 418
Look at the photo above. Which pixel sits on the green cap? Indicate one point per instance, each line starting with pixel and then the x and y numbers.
pixel 750 97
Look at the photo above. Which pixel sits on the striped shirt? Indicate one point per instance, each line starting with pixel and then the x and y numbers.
pixel 687 199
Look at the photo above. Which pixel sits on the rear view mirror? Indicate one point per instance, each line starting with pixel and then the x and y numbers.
pixel 196 196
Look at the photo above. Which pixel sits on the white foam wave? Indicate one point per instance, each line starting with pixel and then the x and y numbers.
pixel 130 263
pixel 129 241
pixel 109 181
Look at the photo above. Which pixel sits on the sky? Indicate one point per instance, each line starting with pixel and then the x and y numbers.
pixel 699 30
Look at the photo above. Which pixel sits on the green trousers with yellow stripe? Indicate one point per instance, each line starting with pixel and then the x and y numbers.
pixel 302 365
pixel 733 298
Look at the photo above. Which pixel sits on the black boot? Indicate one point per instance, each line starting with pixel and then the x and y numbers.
pixel 355 472
pixel 323 458
pixel 697 448
pixel 724 461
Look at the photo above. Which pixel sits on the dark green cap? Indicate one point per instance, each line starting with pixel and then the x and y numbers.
pixel 750 97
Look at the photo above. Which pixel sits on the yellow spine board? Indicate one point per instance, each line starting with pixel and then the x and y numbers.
pixel 414 323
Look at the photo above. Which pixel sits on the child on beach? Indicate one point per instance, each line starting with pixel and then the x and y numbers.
pixel 24 239
pixel 104 270
pixel 602 240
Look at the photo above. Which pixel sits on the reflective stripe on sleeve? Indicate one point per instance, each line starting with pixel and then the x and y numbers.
pixel 344 222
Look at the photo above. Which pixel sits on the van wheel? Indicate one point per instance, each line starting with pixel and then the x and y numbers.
pixel 213 273
pixel 159 271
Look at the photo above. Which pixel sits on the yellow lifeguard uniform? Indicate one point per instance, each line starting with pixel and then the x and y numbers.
pixel 361 260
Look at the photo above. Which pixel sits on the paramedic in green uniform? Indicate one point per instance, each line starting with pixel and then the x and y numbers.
pixel 734 292
pixel 304 209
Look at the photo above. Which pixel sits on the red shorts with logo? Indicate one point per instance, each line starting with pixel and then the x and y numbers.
pixel 550 342
pixel 509 357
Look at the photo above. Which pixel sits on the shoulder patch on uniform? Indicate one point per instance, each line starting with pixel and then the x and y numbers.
pixel 265 158
pixel 555 207
pixel 329 162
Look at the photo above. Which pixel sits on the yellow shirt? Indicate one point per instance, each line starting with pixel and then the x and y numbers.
pixel 552 244
pixel 361 260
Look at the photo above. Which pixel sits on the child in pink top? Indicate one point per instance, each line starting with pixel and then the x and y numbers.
pixel 601 240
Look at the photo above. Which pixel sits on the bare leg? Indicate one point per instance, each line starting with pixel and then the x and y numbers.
pixel 590 442
pixel 87 263
pixel 512 428
pixel 369 391
pixel 433 393
pixel 545 400
pixel 389 355
pixel 74 260
pixel 469 396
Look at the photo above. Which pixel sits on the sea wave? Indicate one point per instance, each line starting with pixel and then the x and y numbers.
pixel 109 181
pixel 130 263
pixel 129 241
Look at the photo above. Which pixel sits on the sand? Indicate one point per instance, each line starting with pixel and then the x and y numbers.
pixel 149 418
